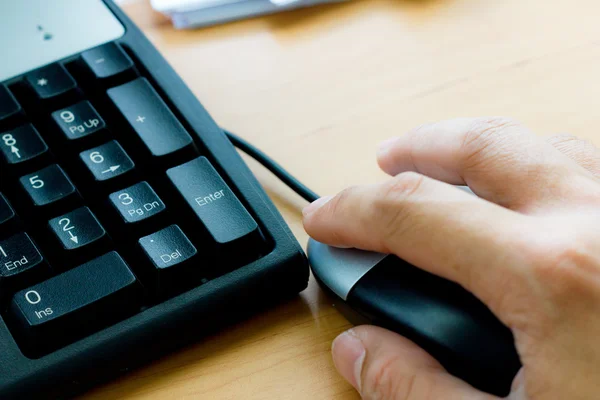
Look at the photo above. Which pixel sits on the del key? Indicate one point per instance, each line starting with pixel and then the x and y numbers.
pixel 227 221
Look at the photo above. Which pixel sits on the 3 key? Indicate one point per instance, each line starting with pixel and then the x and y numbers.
pixel 139 208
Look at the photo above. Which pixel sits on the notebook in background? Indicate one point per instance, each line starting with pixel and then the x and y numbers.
pixel 197 13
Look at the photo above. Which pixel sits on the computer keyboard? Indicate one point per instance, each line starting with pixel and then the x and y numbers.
pixel 129 226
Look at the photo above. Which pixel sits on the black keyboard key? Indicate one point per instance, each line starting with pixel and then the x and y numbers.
pixel 107 162
pixel 51 82
pixel 75 302
pixel 78 230
pixel 79 121
pixel 8 217
pixel 138 205
pixel 21 263
pixel 23 146
pixel 10 109
pixel 170 255
pixel 107 62
pixel 218 209
pixel 160 132
pixel 49 188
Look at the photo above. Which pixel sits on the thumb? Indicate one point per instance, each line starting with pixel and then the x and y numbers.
pixel 385 366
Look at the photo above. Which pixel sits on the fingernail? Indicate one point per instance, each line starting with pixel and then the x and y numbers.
pixel 315 205
pixel 348 356
pixel 384 147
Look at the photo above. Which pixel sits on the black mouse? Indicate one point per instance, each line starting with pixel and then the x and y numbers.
pixel 438 315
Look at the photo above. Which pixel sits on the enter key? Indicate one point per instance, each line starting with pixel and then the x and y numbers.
pixel 226 220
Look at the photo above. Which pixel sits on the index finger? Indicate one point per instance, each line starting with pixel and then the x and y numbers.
pixel 431 225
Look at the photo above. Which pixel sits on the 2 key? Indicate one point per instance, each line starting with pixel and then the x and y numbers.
pixel 78 235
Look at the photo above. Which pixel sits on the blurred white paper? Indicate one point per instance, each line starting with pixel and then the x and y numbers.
pixel 173 6
pixel 197 13
pixel 284 2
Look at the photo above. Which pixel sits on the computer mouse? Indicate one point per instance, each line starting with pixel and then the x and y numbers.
pixel 439 315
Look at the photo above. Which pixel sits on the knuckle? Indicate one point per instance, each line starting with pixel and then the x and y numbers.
pixel 379 381
pixel 569 266
pixel 336 208
pixel 403 186
pixel 387 381
pixel 337 203
pixel 583 151
pixel 482 136
pixel 392 204
pixel 566 140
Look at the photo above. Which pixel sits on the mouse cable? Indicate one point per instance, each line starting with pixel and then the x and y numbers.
pixel 272 166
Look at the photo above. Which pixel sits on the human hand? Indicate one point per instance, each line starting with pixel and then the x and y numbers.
pixel 528 247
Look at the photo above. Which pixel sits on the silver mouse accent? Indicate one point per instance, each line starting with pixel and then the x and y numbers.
pixel 340 269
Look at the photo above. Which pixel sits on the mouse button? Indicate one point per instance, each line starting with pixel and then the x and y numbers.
pixel 340 269
pixel 440 316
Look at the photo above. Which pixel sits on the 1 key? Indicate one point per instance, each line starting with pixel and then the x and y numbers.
pixel 21 263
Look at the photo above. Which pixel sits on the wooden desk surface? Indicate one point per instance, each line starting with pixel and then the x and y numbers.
pixel 318 89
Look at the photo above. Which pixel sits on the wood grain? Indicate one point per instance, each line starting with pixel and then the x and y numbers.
pixel 317 89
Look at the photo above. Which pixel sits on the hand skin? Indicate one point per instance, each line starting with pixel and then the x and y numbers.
pixel 528 247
